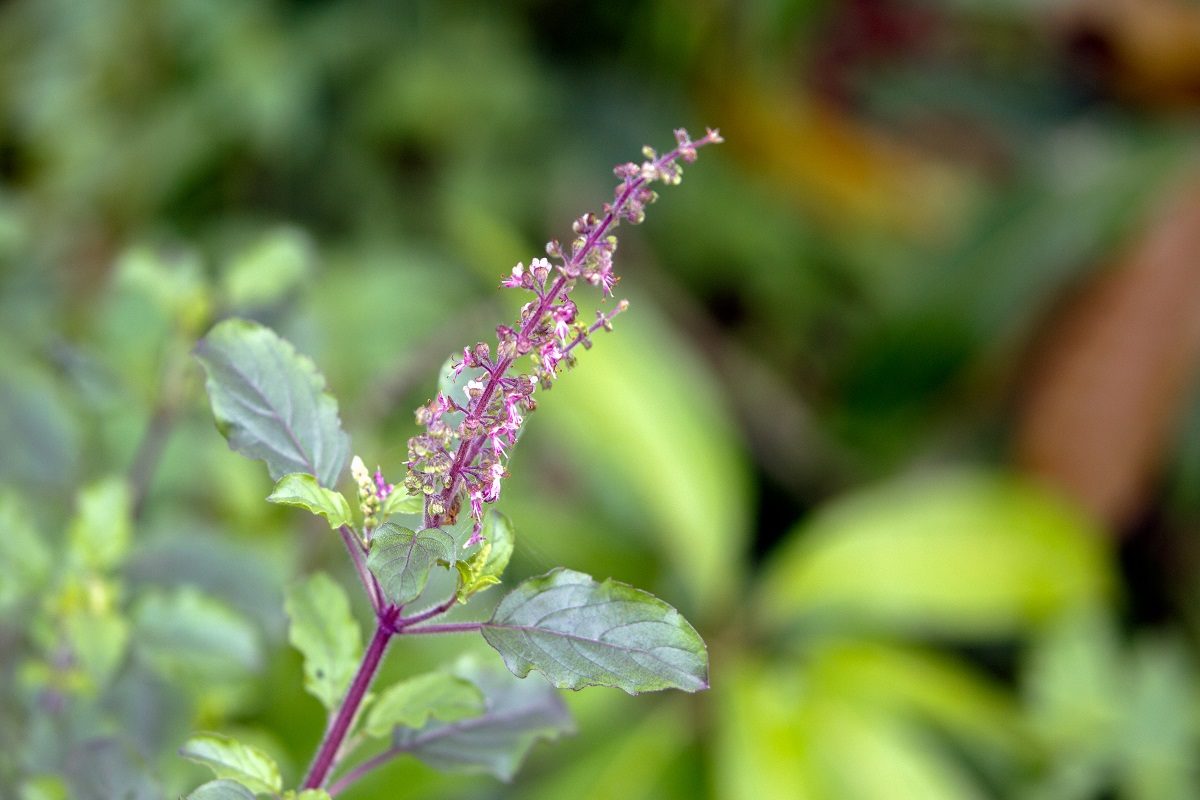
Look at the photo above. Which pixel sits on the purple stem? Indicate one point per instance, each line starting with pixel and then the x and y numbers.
pixel 442 608
pixel 370 584
pixel 467 450
pixel 326 755
pixel 346 781
pixel 445 627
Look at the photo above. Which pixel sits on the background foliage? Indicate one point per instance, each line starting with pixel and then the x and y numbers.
pixel 903 415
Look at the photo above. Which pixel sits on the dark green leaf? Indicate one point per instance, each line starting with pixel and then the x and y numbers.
pixel 517 713
pixel 222 790
pixel 323 629
pixel 413 702
pixel 270 402
pixel 301 490
pixel 229 758
pixel 401 559
pixel 580 633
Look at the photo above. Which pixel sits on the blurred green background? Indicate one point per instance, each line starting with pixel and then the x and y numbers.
pixel 904 415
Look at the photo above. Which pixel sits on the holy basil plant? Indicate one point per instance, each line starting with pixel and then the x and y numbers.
pixel 271 404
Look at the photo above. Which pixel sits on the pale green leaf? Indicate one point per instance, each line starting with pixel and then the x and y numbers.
pixel 24 555
pixel 517 713
pixel 102 527
pixel 44 787
pixel 402 559
pixel 268 269
pixel 174 281
pixel 413 702
pixel 326 633
pixel 229 758
pixel 960 554
pixel 306 794
pixel 783 732
pixel 301 490
pixel 221 790
pixel 270 402
pixel 98 638
pixel 484 568
pixel 578 632
pixel 401 502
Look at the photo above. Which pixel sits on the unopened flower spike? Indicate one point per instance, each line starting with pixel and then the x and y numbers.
pixel 464 463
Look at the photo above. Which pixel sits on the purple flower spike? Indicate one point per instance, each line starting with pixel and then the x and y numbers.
pixel 466 460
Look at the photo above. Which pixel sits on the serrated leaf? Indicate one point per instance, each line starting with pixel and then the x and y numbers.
pixel 517 714
pixel 578 633
pixel 299 489
pixel 270 402
pixel 101 529
pixel 401 502
pixel 189 635
pixel 413 702
pixel 221 790
pixel 229 758
pixel 325 632
pixel 401 559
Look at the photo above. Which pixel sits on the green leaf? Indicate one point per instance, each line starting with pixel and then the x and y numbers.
pixel 324 631
pixel 516 714
pixel 306 794
pixel 221 790
pixel 229 758
pixel 413 702
pixel 102 528
pixel 24 555
pixel 401 502
pixel 174 281
pixel 784 731
pixel 401 559
pixel 959 554
pixel 98 638
pixel 188 635
pixel 275 265
pixel 270 402
pixel 44 787
pixel 301 490
pixel 578 632
pixel 484 568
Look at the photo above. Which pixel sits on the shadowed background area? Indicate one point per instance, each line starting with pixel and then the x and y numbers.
pixel 904 413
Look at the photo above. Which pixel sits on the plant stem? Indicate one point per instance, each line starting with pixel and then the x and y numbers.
pixel 444 627
pixel 355 548
pixel 326 755
pixel 437 610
